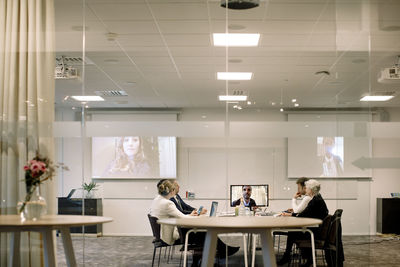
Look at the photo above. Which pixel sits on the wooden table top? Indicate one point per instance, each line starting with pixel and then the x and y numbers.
pixel 242 222
pixel 53 220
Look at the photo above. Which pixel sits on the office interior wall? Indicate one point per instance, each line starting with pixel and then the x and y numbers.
pixel 205 162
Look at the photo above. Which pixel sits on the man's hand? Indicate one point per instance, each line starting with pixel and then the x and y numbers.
pixel 290 210
pixel 297 195
pixel 286 214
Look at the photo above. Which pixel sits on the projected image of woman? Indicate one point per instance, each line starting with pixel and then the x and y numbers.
pixel 332 165
pixel 130 160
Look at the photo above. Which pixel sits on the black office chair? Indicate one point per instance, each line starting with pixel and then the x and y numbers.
pixel 157 242
pixel 320 237
pixel 329 240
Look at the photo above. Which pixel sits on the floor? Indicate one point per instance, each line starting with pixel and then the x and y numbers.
pixel 137 251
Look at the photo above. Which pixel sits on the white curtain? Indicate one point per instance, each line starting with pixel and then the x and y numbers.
pixel 26 106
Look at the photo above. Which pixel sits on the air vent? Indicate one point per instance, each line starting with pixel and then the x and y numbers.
pixel 238 92
pixel 73 61
pixel 111 93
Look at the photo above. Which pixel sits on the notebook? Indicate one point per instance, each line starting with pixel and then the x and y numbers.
pixel 213 210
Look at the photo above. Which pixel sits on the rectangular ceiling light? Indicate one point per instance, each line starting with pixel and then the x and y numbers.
pixel 376 97
pixel 234 75
pixel 86 98
pixel 236 39
pixel 232 97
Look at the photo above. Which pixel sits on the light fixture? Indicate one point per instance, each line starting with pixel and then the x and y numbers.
pixel 296 104
pixel 236 39
pixel 376 97
pixel 234 75
pixel 248 102
pixel 281 110
pixel 87 98
pixel 232 97
pixel 294 100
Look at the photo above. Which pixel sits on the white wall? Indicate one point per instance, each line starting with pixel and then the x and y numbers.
pixel 207 165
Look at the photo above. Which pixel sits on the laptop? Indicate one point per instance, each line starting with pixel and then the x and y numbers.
pixel 213 210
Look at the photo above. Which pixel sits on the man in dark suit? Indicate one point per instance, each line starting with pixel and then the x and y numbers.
pixel 180 204
pixel 247 200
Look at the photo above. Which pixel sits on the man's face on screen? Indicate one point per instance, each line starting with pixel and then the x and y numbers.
pixel 246 192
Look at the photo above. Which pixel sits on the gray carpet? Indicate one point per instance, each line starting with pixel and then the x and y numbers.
pixel 138 251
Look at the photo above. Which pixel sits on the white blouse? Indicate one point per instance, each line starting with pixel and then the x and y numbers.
pixel 163 208
pixel 302 205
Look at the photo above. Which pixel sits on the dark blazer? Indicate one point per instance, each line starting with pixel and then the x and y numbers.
pixel 316 208
pixel 252 203
pixel 185 209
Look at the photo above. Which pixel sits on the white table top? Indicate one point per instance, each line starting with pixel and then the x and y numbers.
pixel 53 220
pixel 242 222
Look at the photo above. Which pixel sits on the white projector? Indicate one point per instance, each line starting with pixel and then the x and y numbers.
pixel 66 73
pixel 390 75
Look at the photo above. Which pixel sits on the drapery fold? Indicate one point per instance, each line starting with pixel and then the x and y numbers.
pixel 26 105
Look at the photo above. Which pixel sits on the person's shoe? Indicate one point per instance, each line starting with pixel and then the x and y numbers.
pixel 307 263
pixel 285 259
pixel 232 250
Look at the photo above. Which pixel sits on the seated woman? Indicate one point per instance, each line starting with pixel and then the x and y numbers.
pixel 162 207
pixel 317 209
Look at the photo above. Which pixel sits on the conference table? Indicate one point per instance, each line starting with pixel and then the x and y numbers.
pixel 46 225
pixel 262 225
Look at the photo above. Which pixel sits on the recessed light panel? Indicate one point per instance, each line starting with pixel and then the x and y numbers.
pixel 232 97
pixel 236 39
pixel 376 97
pixel 234 75
pixel 86 98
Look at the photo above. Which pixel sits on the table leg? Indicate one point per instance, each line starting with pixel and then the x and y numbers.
pixel 210 246
pixel 49 256
pixel 267 249
pixel 68 248
pixel 245 249
pixel 15 259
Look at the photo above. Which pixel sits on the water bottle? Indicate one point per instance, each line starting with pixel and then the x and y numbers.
pixel 242 210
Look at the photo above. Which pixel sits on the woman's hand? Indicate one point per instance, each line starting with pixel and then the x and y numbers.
pixel 194 213
pixel 286 214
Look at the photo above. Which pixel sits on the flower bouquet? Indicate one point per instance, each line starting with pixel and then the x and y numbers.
pixel 37 170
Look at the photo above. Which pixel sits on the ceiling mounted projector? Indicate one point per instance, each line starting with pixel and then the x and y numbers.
pixel 240 4
pixel 390 75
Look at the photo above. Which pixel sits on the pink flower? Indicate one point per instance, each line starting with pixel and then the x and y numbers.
pixel 26 167
pixel 35 167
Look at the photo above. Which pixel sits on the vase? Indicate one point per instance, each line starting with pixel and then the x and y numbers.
pixel 36 207
pixel 89 194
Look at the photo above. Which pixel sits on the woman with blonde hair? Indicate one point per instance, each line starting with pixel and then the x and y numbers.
pixel 162 207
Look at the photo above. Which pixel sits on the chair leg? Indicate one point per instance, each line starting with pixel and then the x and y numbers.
pixel 154 254
pixel 180 260
pixel 159 257
pixel 169 253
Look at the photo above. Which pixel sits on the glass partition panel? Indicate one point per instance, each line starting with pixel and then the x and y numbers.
pixel 156 66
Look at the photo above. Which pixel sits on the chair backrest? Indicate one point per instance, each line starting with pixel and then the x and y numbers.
pixel 155 227
pixel 334 232
pixel 324 227
pixel 338 213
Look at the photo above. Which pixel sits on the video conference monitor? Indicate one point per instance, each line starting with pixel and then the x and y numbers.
pixel 258 192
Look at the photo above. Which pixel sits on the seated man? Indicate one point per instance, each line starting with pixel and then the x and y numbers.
pixel 300 195
pixel 181 205
pixel 247 201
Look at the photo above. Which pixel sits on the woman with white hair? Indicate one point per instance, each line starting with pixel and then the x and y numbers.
pixel 317 209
